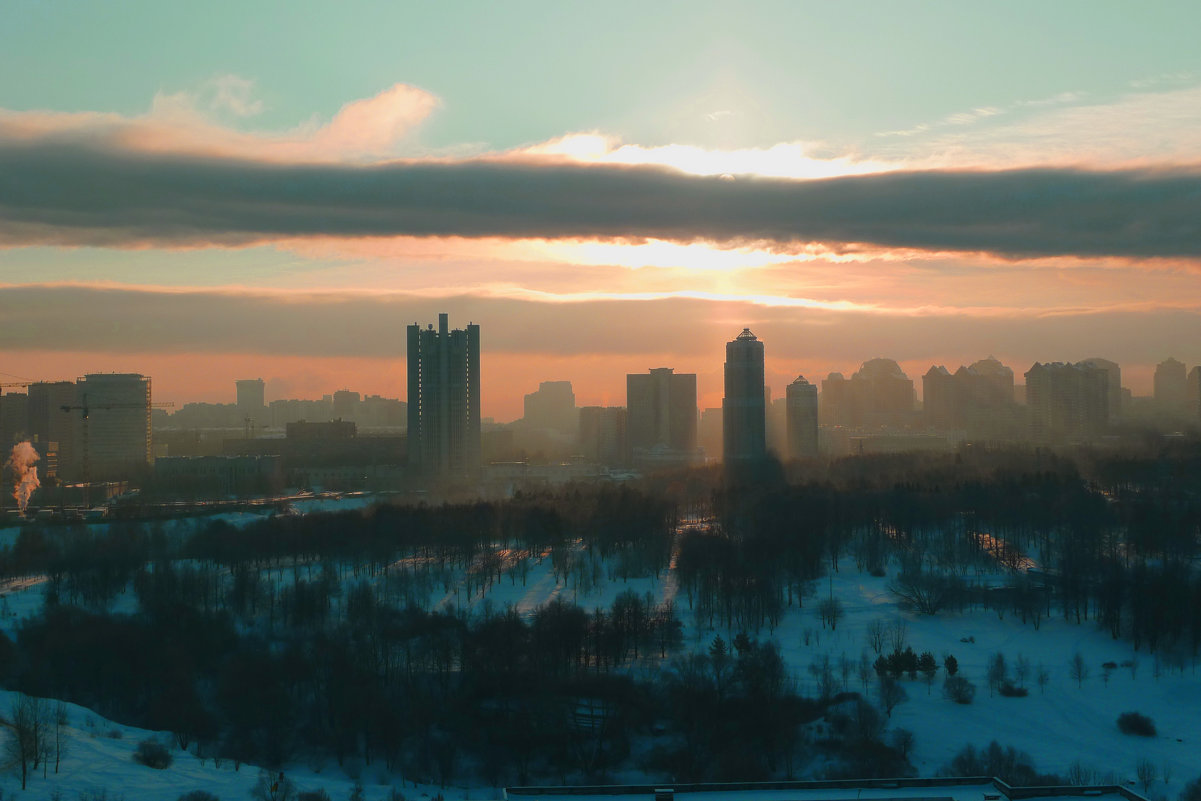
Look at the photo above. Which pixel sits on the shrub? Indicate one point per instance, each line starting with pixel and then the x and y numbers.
pixel 1136 723
pixel 313 795
pixel 1191 791
pixel 152 754
pixel 1005 763
pixel 1011 690
pixel 199 795
pixel 959 690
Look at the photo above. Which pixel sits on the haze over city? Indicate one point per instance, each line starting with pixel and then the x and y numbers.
pixel 204 195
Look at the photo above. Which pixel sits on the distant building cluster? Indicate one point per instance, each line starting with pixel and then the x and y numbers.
pixel 104 429
pixel 94 429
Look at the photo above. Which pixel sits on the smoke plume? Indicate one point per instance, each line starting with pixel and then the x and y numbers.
pixel 25 475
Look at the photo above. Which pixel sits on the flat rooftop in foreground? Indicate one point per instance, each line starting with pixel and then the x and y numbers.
pixel 939 789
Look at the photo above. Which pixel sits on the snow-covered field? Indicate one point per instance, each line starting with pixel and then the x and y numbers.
pixel 1058 724
pixel 98 758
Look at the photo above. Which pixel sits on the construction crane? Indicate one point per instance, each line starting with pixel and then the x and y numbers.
pixel 85 409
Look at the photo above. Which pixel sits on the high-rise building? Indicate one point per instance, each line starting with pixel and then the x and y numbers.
pixel 1192 393
pixel 116 435
pixel 801 419
pixel 252 403
pixel 743 411
pixel 878 394
pixel 552 407
pixel 602 436
pixel 1114 377
pixel 1069 400
pixel 346 404
pixel 661 413
pixel 1169 385
pixel 967 398
pixel 940 398
pixel 444 400
pixel 882 394
pixel 14 421
pixel 836 408
pixel 52 426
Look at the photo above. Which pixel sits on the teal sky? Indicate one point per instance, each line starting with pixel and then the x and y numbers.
pixel 510 73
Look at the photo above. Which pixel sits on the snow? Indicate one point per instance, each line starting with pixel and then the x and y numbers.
pixel 98 756
pixel 1058 727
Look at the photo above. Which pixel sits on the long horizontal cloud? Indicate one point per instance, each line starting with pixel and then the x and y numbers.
pixel 327 325
pixel 64 192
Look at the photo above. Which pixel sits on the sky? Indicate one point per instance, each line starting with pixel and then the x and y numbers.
pixel 207 192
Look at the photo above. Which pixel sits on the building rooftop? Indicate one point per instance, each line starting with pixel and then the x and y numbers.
pixel 932 789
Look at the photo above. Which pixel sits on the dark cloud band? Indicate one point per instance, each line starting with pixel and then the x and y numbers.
pixel 329 325
pixel 68 193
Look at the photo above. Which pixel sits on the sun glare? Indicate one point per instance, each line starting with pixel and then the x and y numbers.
pixel 784 160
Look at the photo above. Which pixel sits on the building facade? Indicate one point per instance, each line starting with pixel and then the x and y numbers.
pixel 1113 374
pixel 602 436
pixel 1170 385
pixel 444 400
pixel 801 419
pixel 252 401
pixel 743 409
pixel 51 427
pixel 552 407
pixel 661 414
pixel 116 434
pixel 1067 400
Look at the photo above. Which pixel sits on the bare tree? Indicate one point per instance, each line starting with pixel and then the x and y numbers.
pixel 898 634
pixel 1147 774
pixel 891 693
pixel 997 671
pixel 60 733
pixel 271 787
pixel 823 672
pixel 1043 677
pixel 1078 669
pixel 830 611
pixel 845 666
pixel 22 747
pixel 902 741
pixel 1021 670
pixel 1081 775
pixel 864 670
pixel 875 635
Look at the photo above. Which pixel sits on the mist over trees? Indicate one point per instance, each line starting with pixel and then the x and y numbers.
pixel 349 634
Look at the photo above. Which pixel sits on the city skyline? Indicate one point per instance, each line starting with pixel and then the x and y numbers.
pixel 794 168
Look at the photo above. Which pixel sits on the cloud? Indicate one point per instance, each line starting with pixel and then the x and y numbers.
pixel 189 123
pixel 688 333
pixel 69 192
pixel 1138 128
pixel 230 94
pixel 974 115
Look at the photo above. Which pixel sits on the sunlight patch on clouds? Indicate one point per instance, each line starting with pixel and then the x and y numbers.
pixel 784 160
pixel 625 253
